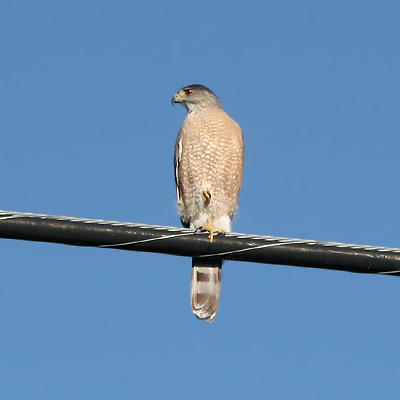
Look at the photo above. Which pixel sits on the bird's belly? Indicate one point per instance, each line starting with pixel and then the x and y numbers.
pixel 205 194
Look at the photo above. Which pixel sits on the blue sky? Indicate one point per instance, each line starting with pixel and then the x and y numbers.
pixel 87 130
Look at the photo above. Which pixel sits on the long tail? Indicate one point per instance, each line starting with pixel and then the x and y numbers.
pixel 206 287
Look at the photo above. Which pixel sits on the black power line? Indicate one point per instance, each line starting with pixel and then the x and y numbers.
pixel 185 242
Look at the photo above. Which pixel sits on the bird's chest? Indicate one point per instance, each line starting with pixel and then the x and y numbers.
pixel 204 144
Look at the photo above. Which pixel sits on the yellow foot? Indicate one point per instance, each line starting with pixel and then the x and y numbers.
pixel 210 228
pixel 207 197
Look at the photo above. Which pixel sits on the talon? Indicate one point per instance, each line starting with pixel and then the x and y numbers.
pixel 210 228
pixel 207 197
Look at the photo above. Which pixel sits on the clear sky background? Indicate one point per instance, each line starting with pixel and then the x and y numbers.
pixel 87 130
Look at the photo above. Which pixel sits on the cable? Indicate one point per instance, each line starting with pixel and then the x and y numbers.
pixel 186 242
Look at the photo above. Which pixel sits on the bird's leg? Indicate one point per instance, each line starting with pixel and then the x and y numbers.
pixel 207 197
pixel 210 228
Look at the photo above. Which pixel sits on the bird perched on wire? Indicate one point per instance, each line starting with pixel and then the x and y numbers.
pixel 209 154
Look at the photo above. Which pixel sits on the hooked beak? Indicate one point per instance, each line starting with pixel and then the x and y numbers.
pixel 176 99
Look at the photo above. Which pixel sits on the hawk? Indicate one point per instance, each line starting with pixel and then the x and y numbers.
pixel 209 155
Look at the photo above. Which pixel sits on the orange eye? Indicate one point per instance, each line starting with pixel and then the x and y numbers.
pixel 187 91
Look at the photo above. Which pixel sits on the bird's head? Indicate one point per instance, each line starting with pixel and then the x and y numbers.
pixel 196 96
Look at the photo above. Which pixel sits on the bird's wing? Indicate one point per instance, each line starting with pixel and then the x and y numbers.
pixel 177 164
